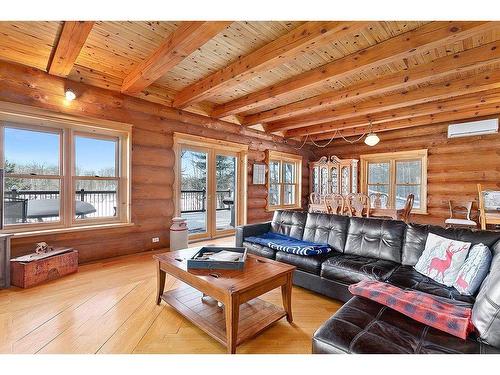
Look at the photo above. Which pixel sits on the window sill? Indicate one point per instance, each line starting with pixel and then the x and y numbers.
pixel 272 209
pixel 66 230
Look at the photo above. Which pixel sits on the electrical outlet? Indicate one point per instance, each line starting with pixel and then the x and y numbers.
pixel 155 239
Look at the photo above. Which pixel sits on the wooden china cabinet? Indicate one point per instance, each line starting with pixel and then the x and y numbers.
pixel 331 175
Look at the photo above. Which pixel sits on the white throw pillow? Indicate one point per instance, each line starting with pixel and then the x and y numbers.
pixel 474 270
pixel 442 258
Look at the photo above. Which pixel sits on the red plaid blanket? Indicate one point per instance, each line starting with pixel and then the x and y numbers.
pixel 422 307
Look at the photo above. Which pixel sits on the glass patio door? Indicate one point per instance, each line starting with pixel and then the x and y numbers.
pixel 226 189
pixel 194 190
pixel 208 191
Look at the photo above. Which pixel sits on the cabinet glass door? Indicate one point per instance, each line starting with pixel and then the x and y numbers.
pixel 345 180
pixel 324 180
pixel 334 176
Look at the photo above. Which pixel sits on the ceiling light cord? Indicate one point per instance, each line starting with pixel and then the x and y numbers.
pixel 356 140
pixel 335 134
pixel 303 143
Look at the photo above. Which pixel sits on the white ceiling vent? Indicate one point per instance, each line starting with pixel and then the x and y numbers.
pixel 469 129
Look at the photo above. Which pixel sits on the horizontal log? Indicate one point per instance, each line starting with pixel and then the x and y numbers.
pixel 146 174
pixel 152 192
pixel 157 138
pixel 149 156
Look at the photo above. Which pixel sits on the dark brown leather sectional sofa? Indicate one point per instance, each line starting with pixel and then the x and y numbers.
pixel 384 250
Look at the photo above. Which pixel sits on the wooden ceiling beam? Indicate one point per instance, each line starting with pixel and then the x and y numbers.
pixel 454 104
pixel 188 37
pixel 437 69
pixel 314 123
pixel 277 52
pixel 422 39
pixel 70 43
pixel 473 112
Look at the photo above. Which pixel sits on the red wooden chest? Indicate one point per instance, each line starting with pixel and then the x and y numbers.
pixel 35 272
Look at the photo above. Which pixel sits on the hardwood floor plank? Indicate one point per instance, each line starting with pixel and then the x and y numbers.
pixel 68 325
pixel 109 307
pixel 88 337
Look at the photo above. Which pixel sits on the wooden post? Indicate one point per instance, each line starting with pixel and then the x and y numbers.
pixel 482 213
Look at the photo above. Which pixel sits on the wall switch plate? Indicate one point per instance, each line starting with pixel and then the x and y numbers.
pixel 155 239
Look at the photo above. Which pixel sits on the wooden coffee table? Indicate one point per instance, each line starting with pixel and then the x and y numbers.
pixel 243 315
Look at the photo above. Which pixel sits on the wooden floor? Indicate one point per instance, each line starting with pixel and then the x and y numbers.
pixel 109 307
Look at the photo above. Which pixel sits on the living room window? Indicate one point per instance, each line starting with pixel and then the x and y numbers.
pixel 33 175
pixel 63 175
pixel 96 176
pixel 395 175
pixel 284 176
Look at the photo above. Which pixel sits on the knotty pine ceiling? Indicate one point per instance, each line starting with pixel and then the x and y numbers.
pixel 112 50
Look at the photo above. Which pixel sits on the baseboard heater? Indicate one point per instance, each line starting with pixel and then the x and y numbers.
pixel 473 128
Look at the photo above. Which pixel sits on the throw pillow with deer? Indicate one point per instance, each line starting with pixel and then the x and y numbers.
pixel 442 258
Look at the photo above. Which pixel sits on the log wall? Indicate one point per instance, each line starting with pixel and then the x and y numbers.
pixel 152 158
pixel 455 166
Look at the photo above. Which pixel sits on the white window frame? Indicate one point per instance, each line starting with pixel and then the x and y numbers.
pixel 283 158
pixel 20 116
pixel 391 158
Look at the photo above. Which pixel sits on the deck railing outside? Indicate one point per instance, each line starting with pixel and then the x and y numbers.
pixel 105 201
pixel 196 200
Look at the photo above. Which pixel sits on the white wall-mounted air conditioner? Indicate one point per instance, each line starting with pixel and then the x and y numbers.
pixel 469 129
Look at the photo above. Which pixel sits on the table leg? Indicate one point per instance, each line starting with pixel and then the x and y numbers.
pixel 160 279
pixel 232 312
pixel 286 295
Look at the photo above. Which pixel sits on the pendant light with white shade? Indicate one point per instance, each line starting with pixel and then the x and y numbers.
pixel 372 139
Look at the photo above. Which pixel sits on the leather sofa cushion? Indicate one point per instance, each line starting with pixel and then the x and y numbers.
pixel 256 249
pixel 375 238
pixel 311 264
pixel 364 326
pixel 324 228
pixel 416 236
pixel 486 310
pixel 289 223
pixel 350 269
pixel 407 277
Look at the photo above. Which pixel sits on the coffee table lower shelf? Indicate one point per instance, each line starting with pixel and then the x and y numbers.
pixel 255 315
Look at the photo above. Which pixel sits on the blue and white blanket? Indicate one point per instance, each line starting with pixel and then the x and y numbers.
pixel 288 244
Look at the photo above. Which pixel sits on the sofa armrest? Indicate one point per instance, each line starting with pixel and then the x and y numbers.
pixel 251 230
pixel 495 249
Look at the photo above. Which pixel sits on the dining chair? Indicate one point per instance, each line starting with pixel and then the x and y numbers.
pixel 405 215
pixel 460 215
pixel 334 204
pixel 379 200
pixel 358 205
pixel 317 203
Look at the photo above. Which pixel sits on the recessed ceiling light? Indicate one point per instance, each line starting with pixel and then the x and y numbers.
pixel 70 95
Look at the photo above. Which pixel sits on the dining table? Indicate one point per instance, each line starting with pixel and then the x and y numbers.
pixel 392 213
